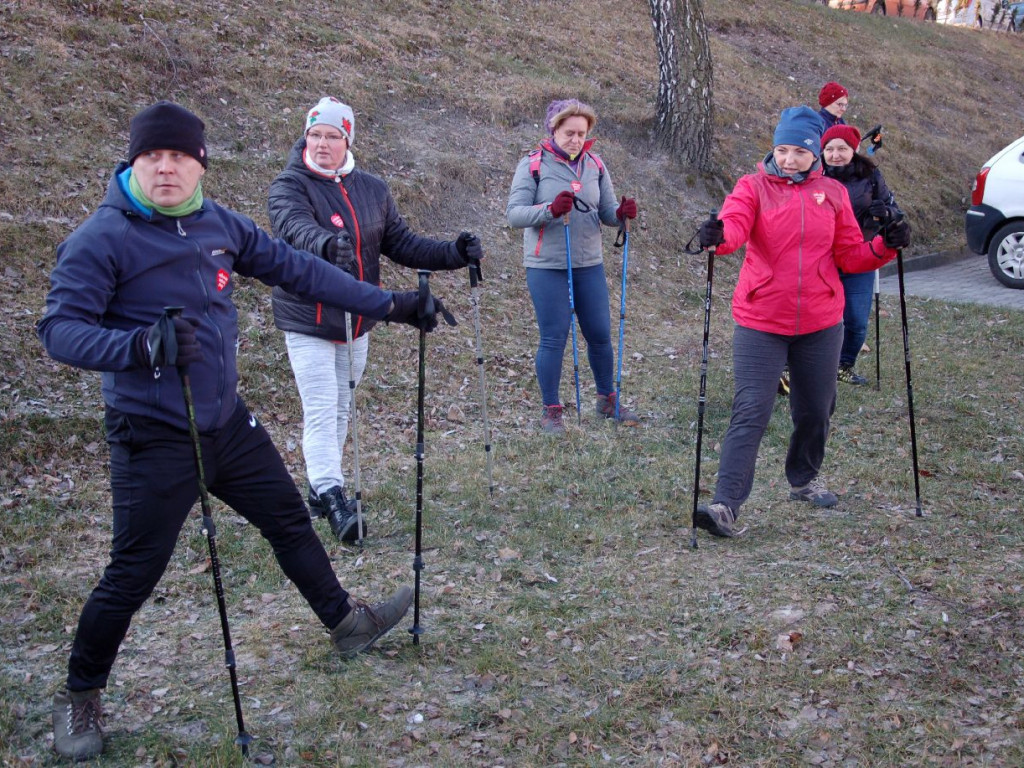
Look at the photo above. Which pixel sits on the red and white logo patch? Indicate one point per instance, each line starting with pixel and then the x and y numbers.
pixel 337 221
pixel 223 278
pixel 576 187
pixel 819 197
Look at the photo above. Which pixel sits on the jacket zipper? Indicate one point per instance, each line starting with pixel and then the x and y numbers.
pixel 358 246
pixel 206 309
pixel 800 260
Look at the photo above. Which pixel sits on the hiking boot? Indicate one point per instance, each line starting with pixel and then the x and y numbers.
pixel 606 407
pixel 848 375
pixel 717 519
pixel 340 513
pixel 365 624
pixel 316 504
pixel 78 724
pixel 815 492
pixel 551 420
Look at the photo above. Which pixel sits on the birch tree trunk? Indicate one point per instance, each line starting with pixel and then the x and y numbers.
pixel 685 80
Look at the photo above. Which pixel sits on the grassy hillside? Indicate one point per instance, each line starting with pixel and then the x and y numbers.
pixel 568 621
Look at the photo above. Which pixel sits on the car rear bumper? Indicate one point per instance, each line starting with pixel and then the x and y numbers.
pixel 979 224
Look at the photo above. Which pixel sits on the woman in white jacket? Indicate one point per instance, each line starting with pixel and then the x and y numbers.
pixel 560 178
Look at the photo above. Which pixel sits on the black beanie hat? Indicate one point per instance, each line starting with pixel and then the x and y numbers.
pixel 165 125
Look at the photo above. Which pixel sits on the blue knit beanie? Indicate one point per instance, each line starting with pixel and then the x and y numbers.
pixel 799 126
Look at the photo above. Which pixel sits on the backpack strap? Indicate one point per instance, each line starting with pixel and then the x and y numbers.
pixel 535 156
pixel 535 165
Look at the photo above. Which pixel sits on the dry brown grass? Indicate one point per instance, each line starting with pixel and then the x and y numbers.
pixel 567 621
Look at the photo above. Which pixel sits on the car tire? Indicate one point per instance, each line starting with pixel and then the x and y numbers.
pixel 929 14
pixel 878 9
pixel 1006 255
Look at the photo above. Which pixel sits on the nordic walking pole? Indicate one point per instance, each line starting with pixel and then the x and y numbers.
pixel 417 564
pixel 476 276
pixel 572 320
pixel 354 421
pixel 878 349
pixel 622 315
pixel 910 385
pixel 702 397
pixel 209 528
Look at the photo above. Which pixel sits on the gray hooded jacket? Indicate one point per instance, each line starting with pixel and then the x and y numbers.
pixel 543 235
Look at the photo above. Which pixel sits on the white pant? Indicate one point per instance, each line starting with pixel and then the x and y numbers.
pixel 322 375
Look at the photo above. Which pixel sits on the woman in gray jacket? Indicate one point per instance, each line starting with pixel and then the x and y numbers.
pixel 563 181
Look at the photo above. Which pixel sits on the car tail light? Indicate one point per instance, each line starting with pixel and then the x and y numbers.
pixel 978 191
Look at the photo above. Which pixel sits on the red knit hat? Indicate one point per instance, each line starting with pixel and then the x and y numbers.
pixel 831 92
pixel 847 133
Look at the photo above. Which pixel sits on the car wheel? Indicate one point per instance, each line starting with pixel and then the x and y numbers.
pixel 1006 255
pixel 878 9
pixel 929 14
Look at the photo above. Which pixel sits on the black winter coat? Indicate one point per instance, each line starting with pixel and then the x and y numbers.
pixel 864 184
pixel 308 210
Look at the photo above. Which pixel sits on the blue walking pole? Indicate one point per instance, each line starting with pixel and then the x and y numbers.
pixel 622 315
pixel 572 319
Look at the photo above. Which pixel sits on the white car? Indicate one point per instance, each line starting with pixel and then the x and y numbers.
pixel 995 221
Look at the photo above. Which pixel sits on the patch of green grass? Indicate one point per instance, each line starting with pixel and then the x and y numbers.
pixel 566 619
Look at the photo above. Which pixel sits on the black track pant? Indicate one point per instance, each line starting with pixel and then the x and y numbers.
pixel 154 486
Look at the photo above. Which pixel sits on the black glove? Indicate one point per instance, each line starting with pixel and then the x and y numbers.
pixel 711 233
pixel 880 211
pixel 562 203
pixel 406 309
pixel 169 341
pixel 469 248
pixel 341 253
pixel 897 234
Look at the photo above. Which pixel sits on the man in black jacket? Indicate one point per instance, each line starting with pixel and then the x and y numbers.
pixel 322 203
pixel 156 242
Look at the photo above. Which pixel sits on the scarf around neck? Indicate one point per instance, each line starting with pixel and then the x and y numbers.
pixel 772 169
pixel 147 206
pixel 345 169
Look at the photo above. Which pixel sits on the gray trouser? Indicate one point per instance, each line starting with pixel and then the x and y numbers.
pixel 321 373
pixel 758 360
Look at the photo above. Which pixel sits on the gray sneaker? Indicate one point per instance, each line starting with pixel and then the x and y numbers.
pixel 717 519
pixel 365 624
pixel 814 492
pixel 78 724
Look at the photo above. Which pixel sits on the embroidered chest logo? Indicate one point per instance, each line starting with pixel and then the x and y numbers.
pixel 819 197
pixel 576 186
pixel 337 221
pixel 223 278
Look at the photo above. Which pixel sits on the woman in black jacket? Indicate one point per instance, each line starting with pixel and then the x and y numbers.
pixel 322 203
pixel 874 207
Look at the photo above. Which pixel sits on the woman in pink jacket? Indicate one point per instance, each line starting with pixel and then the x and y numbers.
pixel 799 230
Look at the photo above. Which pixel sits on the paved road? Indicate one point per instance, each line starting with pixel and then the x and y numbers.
pixel 962 277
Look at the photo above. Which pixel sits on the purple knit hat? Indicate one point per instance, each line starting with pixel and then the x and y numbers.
pixel 560 109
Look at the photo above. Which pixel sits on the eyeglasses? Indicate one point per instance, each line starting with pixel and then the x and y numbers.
pixel 842 104
pixel 329 138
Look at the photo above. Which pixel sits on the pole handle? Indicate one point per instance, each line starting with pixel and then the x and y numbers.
pixel 713 215
pixel 424 291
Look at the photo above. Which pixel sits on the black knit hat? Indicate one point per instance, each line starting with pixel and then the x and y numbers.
pixel 165 125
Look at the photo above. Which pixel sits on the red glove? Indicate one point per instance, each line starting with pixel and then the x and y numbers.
pixel 626 209
pixel 562 203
